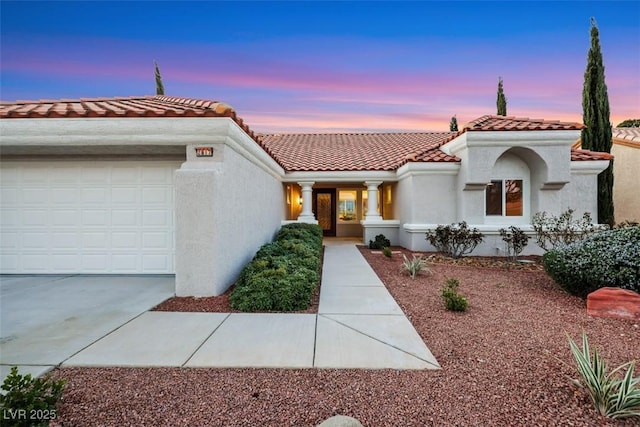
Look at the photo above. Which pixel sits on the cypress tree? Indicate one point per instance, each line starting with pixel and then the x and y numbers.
pixel 502 100
pixel 453 124
pixel 596 135
pixel 159 85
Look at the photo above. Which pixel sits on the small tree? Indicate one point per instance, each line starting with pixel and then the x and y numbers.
pixel 553 232
pixel 455 240
pixel 501 102
pixel 596 135
pixel 159 85
pixel 515 239
pixel 453 124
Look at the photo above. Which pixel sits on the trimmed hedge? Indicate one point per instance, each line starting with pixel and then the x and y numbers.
pixel 608 258
pixel 283 274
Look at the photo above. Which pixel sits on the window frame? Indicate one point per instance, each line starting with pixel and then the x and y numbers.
pixel 503 217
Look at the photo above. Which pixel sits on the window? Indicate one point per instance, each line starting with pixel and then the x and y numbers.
pixel 504 198
pixel 347 202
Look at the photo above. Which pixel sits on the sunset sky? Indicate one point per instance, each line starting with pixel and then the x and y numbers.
pixel 327 66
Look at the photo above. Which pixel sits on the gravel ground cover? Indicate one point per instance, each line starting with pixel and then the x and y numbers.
pixel 506 362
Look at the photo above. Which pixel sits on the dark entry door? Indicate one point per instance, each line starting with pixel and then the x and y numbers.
pixel 324 208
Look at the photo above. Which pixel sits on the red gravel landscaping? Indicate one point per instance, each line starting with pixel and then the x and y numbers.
pixel 505 361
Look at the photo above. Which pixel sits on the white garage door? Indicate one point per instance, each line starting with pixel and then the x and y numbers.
pixel 87 217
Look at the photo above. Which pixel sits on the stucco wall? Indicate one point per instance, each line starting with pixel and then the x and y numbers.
pixel 227 206
pixel 626 193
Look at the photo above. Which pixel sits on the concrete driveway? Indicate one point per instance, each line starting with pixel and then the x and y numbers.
pixel 44 320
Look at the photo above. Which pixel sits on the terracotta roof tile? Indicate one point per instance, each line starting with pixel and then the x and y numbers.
pixel 508 123
pixel 141 106
pixel 357 151
pixel 630 136
pixel 578 154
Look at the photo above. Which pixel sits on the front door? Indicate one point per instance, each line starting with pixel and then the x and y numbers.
pixel 324 208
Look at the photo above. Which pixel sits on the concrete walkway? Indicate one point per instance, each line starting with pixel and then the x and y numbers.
pixel 358 325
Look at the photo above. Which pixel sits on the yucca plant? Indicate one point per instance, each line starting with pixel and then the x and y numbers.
pixel 413 266
pixel 613 397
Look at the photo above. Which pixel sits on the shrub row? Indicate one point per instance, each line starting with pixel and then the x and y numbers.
pixel 608 258
pixel 283 274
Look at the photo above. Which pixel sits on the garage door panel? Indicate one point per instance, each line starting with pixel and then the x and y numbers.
pixel 9 240
pixel 34 196
pixel 35 218
pixel 36 262
pixel 65 217
pixel 156 263
pixel 156 195
pixel 63 263
pixel 95 174
pixel 35 240
pixel 155 218
pixel 65 240
pixel 124 217
pixel 95 239
pixel 87 217
pixel 94 195
pixel 124 195
pixel 93 217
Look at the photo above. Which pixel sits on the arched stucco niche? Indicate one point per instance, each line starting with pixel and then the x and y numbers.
pixel 522 163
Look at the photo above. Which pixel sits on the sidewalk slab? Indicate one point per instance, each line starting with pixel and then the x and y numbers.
pixel 154 339
pixel 345 276
pixel 338 346
pixel 357 300
pixel 262 340
pixel 395 331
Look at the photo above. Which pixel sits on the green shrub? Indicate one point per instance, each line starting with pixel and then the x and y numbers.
pixel 387 251
pixel 612 396
pixel 557 231
pixel 515 239
pixel 455 240
pixel 453 301
pixel 283 274
pixel 414 266
pixel 29 401
pixel 380 242
pixel 608 258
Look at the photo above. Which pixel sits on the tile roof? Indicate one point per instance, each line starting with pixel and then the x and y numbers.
pixel 140 106
pixel 628 136
pixel 509 123
pixel 579 154
pixel 301 152
pixel 357 151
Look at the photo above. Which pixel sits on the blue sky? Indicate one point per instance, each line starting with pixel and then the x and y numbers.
pixel 327 66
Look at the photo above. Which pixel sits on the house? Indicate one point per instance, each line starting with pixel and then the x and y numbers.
pixel 164 185
pixel 625 149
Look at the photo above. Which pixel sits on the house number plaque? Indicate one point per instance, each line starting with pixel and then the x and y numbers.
pixel 204 151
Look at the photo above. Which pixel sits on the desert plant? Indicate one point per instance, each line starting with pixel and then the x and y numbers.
pixel 453 301
pixel 380 242
pixel 613 397
pixel 515 240
pixel 609 258
pixel 413 266
pixel 555 231
pixel 387 251
pixel 455 240
pixel 29 401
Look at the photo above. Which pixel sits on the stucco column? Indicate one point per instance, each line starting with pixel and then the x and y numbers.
pixel 372 203
pixel 307 194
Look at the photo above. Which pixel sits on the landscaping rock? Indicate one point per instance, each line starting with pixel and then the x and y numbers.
pixel 340 421
pixel 614 302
